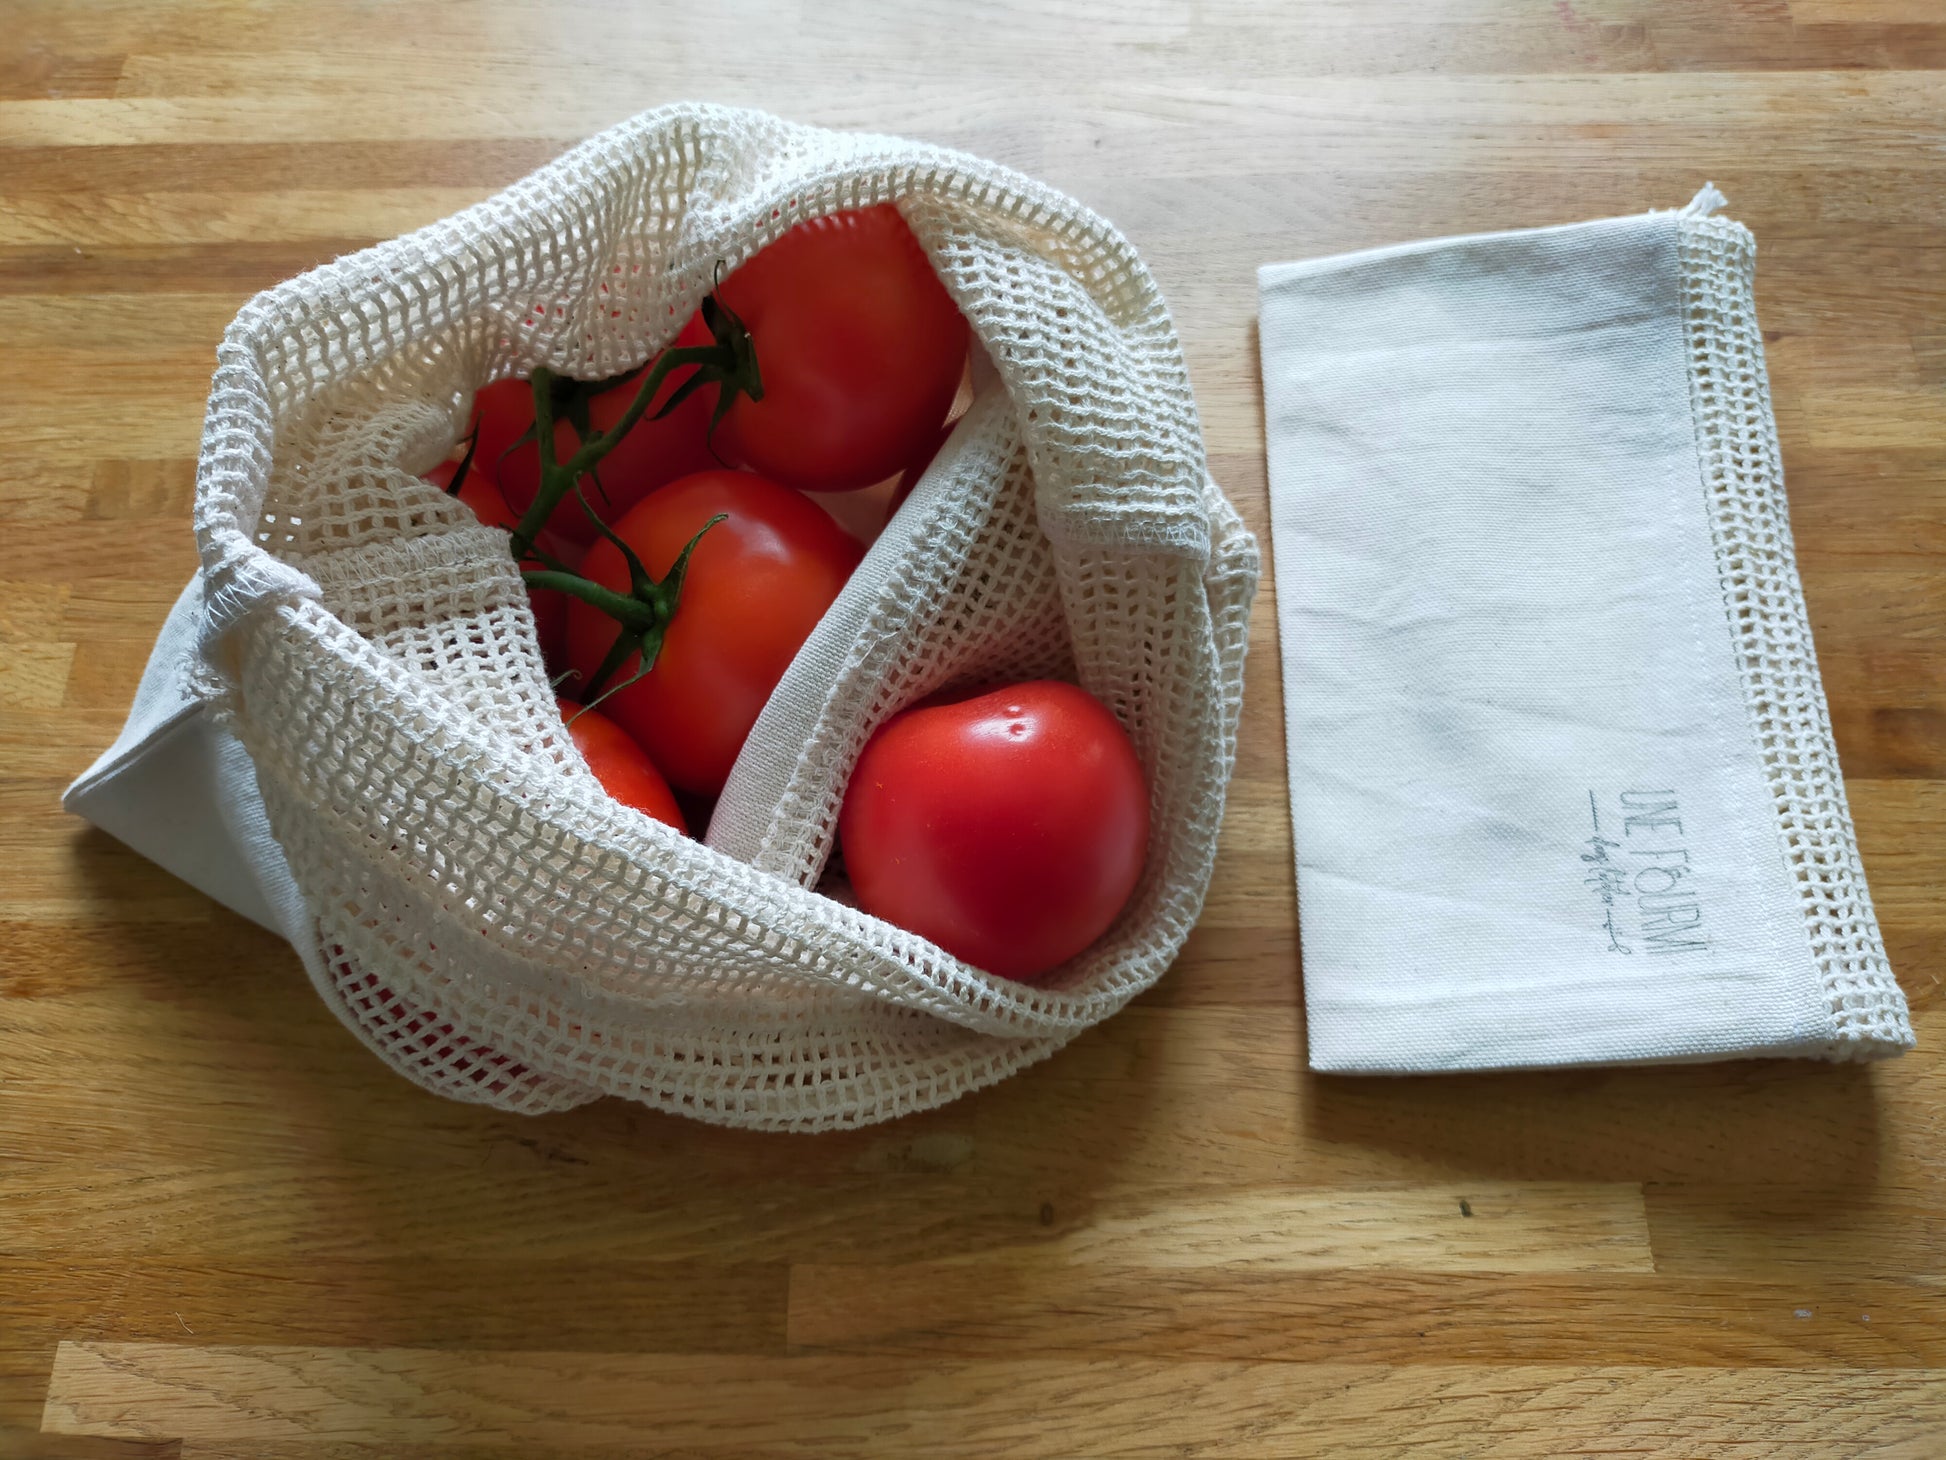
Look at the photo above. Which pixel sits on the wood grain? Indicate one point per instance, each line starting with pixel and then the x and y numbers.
pixel 298 1399
pixel 225 1231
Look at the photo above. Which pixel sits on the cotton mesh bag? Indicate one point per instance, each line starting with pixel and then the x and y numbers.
pixel 463 894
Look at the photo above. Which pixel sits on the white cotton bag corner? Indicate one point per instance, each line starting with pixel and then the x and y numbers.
pixel 1563 786
pixel 180 789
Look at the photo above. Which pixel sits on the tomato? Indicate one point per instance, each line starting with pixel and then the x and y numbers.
pixel 756 585
pixel 859 345
pixel 479 493
pixel 909 478
pixel 1009 828
pixel 624 771
pixel 650 455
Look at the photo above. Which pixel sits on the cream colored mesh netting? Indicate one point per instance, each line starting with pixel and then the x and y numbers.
pixel 488 920
pixel 1743 474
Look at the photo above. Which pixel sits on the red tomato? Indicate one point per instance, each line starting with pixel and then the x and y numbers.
pixel 651 454
pixel 1009 828
pixel 619 764
pixel 441 476
pixel 756 586
pixel 909 478
pixel 479 493
pixel 859 345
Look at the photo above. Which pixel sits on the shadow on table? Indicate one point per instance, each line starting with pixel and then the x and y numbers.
pixel 1754 1121
pixel 388 1168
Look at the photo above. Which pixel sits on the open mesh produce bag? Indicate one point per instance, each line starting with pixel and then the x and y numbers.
pixel 463 893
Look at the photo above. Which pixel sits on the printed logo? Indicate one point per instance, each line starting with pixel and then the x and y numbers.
pixel 1643 876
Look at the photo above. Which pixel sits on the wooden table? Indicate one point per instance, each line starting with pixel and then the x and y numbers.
pixel 225 1230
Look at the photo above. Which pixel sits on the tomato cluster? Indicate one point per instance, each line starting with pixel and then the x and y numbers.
pixel 676 566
